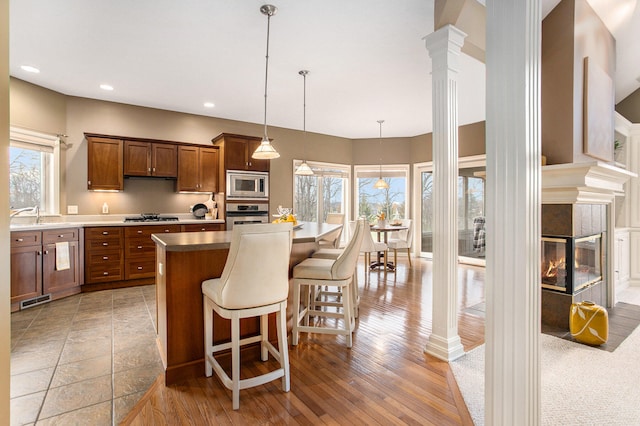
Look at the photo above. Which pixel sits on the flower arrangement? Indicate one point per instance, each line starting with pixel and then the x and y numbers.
pixel 381 216
pixel 285 215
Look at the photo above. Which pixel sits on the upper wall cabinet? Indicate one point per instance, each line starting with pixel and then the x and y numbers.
pixel 236 150
pixel 105 165
pixel 150 159
pixel 198 169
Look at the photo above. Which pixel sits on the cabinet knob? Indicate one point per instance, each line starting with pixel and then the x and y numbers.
pixel 105 257
pixel 105 273
pixel 139 268
pixel 167 230
pixel 61 236
pixel 38 252
pixel 154 169
pixel 105 232
pixel 46 252
pixel 139 231
pixel 19 240
pixel 105 244
pixel 149 169
pixel 139 247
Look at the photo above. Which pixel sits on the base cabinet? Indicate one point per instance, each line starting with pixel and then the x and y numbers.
pixel 622 258
pixel 35 270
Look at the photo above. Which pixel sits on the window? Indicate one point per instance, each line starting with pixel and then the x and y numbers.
pixel 372 201
pixel 471 198
pixel 326 191
pixel 33 171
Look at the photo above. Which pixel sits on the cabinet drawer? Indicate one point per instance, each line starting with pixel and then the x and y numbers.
pixel 106 260
pixel 60 235
pixel 103 243
pixel 140 247
pixel 25 238
pixel 147 230
pixel 140 268
pixel 104 231
pixel 111 273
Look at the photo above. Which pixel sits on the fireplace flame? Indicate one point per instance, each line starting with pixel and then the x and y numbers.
pixel 552 270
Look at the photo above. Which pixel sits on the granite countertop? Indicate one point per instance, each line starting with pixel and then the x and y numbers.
pixel 26 223
pixel 307 232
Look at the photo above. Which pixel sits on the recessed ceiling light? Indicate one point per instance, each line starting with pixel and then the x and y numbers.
pixel 209 104
pixel 106 87
pixel 29 68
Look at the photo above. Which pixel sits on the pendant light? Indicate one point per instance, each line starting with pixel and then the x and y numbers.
pixel 381 183
pixel 304 169
pixel 265 150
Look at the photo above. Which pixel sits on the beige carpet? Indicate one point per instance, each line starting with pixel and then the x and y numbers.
pixel 580 385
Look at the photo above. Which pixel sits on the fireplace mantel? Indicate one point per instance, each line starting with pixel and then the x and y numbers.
pixel 585 183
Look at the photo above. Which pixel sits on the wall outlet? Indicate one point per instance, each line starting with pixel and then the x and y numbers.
pixel 72 209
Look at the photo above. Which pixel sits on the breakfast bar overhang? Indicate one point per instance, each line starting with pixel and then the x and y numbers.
pixel 183 261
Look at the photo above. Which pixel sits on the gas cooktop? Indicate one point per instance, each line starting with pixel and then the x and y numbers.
pixel 151 217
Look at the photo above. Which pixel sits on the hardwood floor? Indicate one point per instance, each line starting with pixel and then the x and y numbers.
pixel 384 379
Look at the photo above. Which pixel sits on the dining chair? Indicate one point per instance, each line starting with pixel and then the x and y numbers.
pixel 332 240
pixel 254 283
pixel 402 241
pixel 369 245
pixel 315 273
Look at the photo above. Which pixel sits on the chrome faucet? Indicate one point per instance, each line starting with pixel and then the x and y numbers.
pixel 35 210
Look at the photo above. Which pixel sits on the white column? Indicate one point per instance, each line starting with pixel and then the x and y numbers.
pixel 512 290
pixel 444 49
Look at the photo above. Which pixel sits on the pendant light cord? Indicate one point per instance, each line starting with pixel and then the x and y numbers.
pixel 266 76
pixel 380 146
pixel 304 73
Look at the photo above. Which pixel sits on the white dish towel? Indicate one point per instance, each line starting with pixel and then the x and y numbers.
pixel 62 256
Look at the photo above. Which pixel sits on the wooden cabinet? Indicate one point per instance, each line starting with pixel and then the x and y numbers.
pixel 196 227
pixel 622 258
pixel 105 163
pixel 150 159
pixel 26 266
pixel 104 260
pixel 53 279
pixel 140 250
pixel 236 151
pixel 197 169
pixel 34 269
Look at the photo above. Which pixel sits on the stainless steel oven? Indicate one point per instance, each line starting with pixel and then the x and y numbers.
pixel 243 185
pixel 242 213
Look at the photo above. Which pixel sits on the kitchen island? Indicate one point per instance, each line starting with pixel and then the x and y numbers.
pixel 183 261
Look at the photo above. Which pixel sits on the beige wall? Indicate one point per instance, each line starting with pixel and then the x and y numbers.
pixel 629 107
pixel 82 115
pixel 571 32
pixel 5 277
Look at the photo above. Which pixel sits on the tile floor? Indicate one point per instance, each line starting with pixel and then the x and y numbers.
pixel 86 359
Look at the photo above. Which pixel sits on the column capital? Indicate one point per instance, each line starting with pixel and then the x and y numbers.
pixel 448 37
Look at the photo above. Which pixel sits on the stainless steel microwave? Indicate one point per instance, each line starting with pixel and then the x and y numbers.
pixel 243 185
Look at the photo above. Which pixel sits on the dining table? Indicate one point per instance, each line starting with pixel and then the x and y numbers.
pixel 383 232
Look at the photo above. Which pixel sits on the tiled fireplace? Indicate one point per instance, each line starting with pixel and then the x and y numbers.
pixel 573 258
pixel 577 236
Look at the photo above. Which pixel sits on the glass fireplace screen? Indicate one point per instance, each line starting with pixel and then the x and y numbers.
pixel 568 264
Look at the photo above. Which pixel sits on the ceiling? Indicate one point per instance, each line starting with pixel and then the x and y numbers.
pixel 366 58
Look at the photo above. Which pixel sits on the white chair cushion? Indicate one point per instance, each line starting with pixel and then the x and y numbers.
pixel 327 253
pixel 397 244
pixel 313 268
pixel 213 290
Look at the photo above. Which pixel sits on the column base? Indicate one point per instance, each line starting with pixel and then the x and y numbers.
pixel 443 348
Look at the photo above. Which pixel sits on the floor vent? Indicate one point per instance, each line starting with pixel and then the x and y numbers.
pixel 39 300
